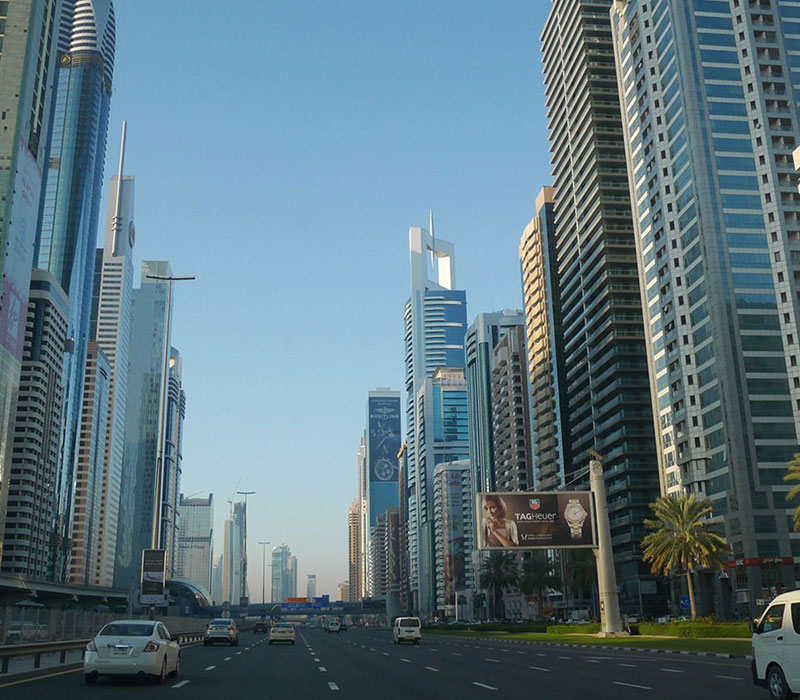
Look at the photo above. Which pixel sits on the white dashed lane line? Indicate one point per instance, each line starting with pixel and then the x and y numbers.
pixel 671 670
pixel 210 668
pixel 333 686
pixel 628 665
pixel 431 668
pixel 227 658
pixel 483 685
pixel 539 668
pixel 180 685
pixel 494 661
pixel 408 661
pixel 323 669
pixel 731 678
pixel 632 685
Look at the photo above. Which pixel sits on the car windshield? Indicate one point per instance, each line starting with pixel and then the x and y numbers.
pixel 283 626
pixel 408 622
pixel 127 629
pixel 221 621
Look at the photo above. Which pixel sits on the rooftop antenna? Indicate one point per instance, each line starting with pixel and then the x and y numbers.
pixel 116 225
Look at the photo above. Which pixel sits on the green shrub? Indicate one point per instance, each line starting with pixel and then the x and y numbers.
pixel 590 628
pixel 693 630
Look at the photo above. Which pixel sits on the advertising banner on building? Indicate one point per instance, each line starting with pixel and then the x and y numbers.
pixel 555 519
pixel 154 569
pixel 383 444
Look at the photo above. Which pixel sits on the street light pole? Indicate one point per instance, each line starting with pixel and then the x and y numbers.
pixel 155 541
pixel 263 568
pixel 244 553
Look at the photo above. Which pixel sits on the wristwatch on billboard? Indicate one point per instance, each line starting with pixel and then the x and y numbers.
pixel 575 515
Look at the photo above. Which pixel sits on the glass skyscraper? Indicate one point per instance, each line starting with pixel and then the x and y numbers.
pixel 435 325
pixel 67 234
pixel 710 92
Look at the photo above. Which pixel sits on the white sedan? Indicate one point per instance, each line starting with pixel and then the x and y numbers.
pixel 132 647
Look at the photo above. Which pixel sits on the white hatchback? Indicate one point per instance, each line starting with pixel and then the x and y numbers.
pixel 132 647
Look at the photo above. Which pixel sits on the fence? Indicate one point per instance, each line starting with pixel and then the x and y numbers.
pixel 30 624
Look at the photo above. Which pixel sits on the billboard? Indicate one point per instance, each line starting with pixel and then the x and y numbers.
pixel 383 444
pixel 154 567
pixel 526 520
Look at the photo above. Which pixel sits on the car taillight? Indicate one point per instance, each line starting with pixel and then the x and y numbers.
pixel 231 629
pixel 91 646
pixel 151 646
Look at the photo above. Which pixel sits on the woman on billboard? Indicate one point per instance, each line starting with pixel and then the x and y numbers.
pixel 498 531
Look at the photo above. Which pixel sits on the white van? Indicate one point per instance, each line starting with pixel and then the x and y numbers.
pixel 407 629
pixel 776 647
pixel 332 625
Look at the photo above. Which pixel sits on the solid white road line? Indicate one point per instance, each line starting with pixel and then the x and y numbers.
pixel 431 668
pixel 672 670
pixel 633 685
pixel 494 661
pixel 210 668
pixel 483 685
pixel 731 678
pixel 333 685
pixel 180 685
pixel 539 668
pixel 323 669
pixel 628 665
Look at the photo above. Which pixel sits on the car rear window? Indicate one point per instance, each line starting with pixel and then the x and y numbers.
pixel 408 622
pixel 283 626
pixel 222 621
pixel 127 629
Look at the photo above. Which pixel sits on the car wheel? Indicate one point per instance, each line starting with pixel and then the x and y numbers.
pixel 162 676
pixel 177 668
pixel 776 683
pixel 270 642
pixel 90 678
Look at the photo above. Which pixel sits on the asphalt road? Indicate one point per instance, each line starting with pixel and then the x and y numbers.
pixel 365 664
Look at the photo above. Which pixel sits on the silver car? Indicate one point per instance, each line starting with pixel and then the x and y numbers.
pixel 132 647
pixel 221 629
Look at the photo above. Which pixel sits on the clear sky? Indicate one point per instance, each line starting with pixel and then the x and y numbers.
pixel 281 151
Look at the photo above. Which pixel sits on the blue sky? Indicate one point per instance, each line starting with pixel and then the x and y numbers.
pixel 281 152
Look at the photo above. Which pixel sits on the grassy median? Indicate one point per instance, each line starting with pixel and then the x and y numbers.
pixel 716 646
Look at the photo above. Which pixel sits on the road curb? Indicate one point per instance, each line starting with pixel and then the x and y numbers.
pixel 606 646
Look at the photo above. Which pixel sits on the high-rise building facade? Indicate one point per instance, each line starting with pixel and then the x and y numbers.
pixel 111 328
pixel 70 207
pixel 482 336
pixel 454 531
pixel 148 340
pixel 31 505
pixel 382 443
pixel 605 358
pixel 442 435
pixel 311 586
pixel 172 463
pixel 710 97
pixel 27 64
pixel 87 510
pixel 544 333
pixel 354 549
pixel 511 424
pixel 435 325
pixel 234 584
pixel 284 574
pixel 195 540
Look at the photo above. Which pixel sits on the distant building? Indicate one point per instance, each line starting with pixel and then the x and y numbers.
pixel 173 459
pixel 234 585
pixel 343 591
pixel 195 549
pixel 216 579
pixel 311 586
pixel 291 577
pixel 284 574
pixel 354 549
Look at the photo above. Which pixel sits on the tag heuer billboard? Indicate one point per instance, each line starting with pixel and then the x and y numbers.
pixel 535 520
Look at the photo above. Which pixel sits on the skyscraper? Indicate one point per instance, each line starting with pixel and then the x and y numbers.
pixel 70 206
pixel 442 435
pixel 354 549
pixel 195 540
pixel 234 585
pixel 111 328
pixel 149 337
pixel 544 336
pixel 311 586
pixel 27 62
pixel 383 437
pixel 710 94
pixel 34 464
pixel 435 324
pixel 606 376
pixel 482 336
pixel 173 459
pixel 284 574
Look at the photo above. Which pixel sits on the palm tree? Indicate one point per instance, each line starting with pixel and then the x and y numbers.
pixel 794 475
pixel 681 539
pixel 478 603
pixel 581 575
pixel 498 572
pixel 539 573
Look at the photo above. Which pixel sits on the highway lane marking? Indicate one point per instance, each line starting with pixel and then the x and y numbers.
pixel 628 665
pixel 431 668
pixel 731 678
pixel 565 657
pixel 539 668
pixel 522 652
pixel 592 661
pixel 333 685
pixel 39 678
pixel 408 661
pixel 483 685
pixel 672 670
pixel 238 653
pixel 227 658
pixel 455 653
pixel 323 669
pixel 209 668
pixel 316 659
pixel 386 653
pixel 371 649
pixel 494 661
pixel 541 654
pixel 632 685
pixel 180 685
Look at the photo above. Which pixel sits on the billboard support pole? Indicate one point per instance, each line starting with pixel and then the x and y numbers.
pixel 611 622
